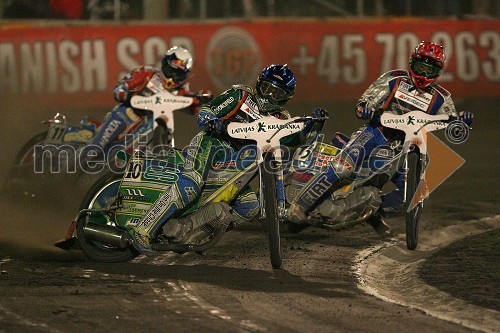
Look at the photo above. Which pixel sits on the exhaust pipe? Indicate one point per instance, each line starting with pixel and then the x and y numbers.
pixel 106 234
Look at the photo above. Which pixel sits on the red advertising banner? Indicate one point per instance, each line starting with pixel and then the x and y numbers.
pixel 332 59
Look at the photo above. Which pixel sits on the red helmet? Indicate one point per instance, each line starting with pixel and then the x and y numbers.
pixel 426 63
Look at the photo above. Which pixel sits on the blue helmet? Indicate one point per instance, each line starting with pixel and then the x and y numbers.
pixel 276 84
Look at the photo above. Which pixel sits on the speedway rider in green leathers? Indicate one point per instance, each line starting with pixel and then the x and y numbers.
pixel 275 86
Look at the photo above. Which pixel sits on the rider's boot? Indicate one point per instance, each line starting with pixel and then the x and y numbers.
pixel 167 204
pixel 198 225
pixel 322 182
pixel 140 240
pixel 378 224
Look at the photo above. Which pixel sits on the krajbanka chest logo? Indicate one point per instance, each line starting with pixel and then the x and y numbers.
pixel 411 120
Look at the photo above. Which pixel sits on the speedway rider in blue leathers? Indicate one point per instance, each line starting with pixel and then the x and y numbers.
pixel 397 91
pixel 146 80
pixel 275 86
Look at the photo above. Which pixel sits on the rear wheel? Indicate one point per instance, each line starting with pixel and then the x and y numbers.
pixel 412 215
pixel 21 176
pixel 25 154
pixel 100 195
pixel 271 210
pixel 295 228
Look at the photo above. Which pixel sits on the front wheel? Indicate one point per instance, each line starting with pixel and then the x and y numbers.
pixel 26 153
pixel 23 164
pixel 271 211
pixel 412 215
pixel 100 195
pixel 162 136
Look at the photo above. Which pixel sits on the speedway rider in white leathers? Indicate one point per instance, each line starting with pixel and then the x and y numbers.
pixel 397 91
pixel 176 66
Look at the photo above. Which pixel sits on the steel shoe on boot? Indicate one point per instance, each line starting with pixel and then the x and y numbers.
pixel 379 225
pixel 295 214
pixel 140 240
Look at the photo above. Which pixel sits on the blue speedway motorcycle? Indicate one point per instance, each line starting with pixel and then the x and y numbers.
pixel 355 201
pixel 53 155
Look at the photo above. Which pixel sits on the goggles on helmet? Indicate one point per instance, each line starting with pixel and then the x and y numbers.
pixel 178 63
pixel 425 67
pixel 177 75
pixel 269 89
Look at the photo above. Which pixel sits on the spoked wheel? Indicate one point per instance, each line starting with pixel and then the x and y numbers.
pixel 25 154
pixel 100 195
pixel 23 164
pixel 162 136
pixel 295 228
pixel 413 215
pixel 271 210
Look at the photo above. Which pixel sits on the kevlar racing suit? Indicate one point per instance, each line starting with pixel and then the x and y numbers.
pixel 393 92
pixel 123 119
pixel 211 148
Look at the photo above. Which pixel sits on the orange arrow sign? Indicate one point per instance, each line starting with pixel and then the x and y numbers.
pixel 443 162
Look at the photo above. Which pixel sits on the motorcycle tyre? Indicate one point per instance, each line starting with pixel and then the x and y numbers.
pixel 271 209
pixel 413 215
pixel 92 250
pixel 28 146
pixel 20 170
pixel 296 228
pixel 162 136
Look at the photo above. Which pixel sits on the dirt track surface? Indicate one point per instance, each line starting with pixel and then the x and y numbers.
pixel 232 287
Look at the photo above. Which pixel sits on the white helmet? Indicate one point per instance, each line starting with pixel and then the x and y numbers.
pixel 176 65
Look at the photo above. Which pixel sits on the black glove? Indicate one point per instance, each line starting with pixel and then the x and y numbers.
pixel 319 113
pixel 209 122
pixel 364 112
pixel 467 117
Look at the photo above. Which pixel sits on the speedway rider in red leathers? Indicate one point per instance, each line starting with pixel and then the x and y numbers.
pixel 146 80
pixel 397 91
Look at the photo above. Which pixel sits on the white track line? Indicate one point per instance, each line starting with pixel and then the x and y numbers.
pixel 389 272
pixel 181 289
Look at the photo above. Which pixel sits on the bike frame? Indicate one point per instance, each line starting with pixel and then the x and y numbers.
pixel 267 132
pixel 163 106
pixel 415 125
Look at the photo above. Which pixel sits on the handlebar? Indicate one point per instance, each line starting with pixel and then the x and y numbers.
pixel 414 121
pixel 451 118
pixel 304 119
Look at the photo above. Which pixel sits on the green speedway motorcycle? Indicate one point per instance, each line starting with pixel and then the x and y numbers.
pixel 117 200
